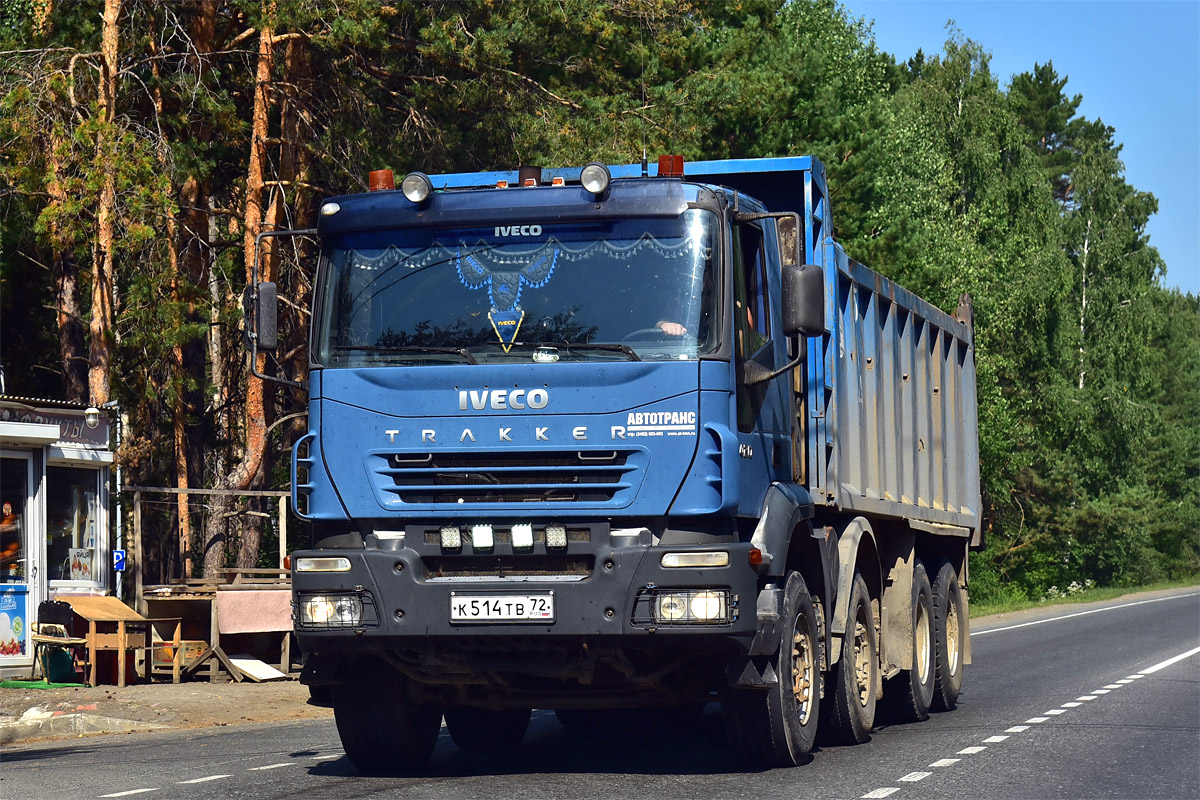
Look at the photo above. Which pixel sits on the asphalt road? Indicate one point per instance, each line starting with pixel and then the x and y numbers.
pixel 1095 703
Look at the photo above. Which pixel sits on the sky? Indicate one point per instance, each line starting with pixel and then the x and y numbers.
pixel 1136 63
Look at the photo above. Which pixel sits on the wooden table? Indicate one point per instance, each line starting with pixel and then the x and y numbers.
pixel 101 614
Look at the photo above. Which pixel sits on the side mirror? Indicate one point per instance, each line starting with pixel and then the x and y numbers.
pixel 803 300
pixel 266 317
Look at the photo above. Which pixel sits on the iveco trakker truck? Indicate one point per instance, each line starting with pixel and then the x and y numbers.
pixel 625 437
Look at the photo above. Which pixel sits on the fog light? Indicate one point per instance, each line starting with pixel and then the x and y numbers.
pixel 556 536
pixel 671 607
pixel 708 606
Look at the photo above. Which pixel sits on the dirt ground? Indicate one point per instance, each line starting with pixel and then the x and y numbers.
pixel 192 704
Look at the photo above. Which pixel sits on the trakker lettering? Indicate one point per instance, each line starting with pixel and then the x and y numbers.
pixel 519 230
pixel 503 434
pixel 502 398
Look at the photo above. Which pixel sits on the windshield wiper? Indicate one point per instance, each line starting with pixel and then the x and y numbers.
pixel 616 348
pixel 462 352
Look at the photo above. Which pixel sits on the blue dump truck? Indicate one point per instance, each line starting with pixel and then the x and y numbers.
pixel 625 437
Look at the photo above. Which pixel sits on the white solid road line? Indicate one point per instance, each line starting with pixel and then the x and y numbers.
pixel 1083 613
pixel 1170 661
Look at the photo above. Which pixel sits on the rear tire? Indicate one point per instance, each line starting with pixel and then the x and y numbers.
pixel 949 639
pixel 478 730
pixel 777 727
pixel 856 674
pixel 381 728
pixel 909 694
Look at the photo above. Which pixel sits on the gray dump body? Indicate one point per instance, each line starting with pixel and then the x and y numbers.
pixel 893 421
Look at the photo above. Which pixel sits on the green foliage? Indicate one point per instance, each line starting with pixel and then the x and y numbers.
pixel 941 178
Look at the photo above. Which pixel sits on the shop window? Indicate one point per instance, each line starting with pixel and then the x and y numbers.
pixel 73 525
pixel 14 489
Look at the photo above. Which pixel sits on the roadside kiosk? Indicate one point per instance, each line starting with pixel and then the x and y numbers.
pixel 54 521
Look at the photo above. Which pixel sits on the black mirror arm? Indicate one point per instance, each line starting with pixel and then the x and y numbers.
pixel 253 289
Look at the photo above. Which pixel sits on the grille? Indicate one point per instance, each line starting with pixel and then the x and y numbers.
pixel 460 478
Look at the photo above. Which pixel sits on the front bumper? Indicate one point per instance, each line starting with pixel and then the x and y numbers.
pixel 602 584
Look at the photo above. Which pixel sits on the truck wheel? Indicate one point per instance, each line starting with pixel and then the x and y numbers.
pixel 949 636
pixel 855 676
pixel 478 730
pixel 909 694
pixel 381 728
pixel 777 727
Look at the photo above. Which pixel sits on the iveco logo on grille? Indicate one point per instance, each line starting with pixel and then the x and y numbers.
pixel 519 230
pixel 502 398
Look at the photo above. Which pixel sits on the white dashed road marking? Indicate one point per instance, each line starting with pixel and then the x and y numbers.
pixel 131 791
pixel 271 766
pixel 913 777
pixel 207 779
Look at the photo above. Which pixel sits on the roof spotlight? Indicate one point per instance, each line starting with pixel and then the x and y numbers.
pixel 595 177
pixel 417 187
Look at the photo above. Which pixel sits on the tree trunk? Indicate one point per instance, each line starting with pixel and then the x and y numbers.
pixel 103 268
pixel 68 305
pixel 1083 301
pixel 249 469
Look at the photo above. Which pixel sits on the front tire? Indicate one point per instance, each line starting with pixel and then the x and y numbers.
pixel 949 639
pixel 478 730
pixel 856 675
pixel 777 727
pixel 908 695
pixel 381 728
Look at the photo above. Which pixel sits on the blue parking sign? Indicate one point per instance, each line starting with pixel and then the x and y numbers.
pixel 119 560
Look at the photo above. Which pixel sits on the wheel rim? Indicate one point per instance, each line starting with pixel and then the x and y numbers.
pixel 862 661
pixel 803 670
pixel 952 637
pixel 922 653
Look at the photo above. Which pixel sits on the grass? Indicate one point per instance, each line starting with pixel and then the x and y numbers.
pixel 1000 605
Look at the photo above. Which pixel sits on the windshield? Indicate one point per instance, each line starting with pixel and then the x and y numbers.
pixel 635 289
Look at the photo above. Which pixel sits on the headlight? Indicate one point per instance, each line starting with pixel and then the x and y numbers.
pixel 671 607
pixel 331 611
pixel 693 607
pixel 708 606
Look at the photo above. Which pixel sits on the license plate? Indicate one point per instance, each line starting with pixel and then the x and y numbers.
pixel 501 607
